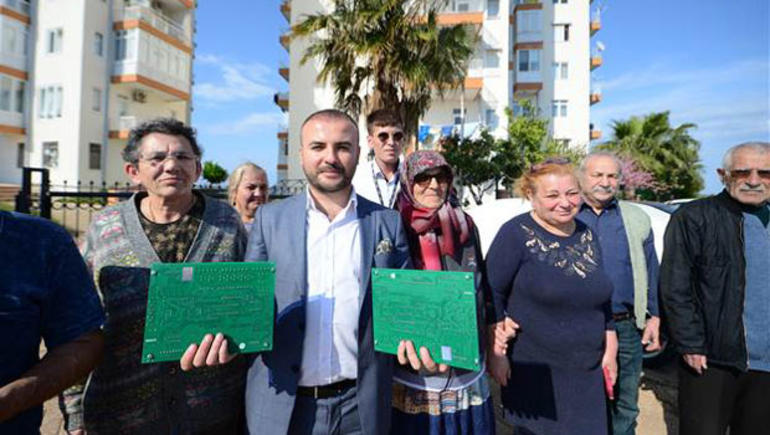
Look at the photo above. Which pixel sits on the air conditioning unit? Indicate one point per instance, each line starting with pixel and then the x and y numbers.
pixel 138 95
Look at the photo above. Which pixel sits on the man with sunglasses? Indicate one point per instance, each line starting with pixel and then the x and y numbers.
pixel 378 179
pixel 715 294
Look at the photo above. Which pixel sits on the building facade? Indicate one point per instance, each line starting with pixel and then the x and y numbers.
pixel 77 75
pixel 534 50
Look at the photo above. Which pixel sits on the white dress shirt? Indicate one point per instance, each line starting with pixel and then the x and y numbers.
pixel 369 177
pixel 330 349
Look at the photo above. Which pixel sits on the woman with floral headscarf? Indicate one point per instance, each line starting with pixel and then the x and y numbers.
pixel 441 237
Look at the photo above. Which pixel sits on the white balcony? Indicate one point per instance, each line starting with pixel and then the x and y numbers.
pixel 11 119
pixel 16 60
pixel 21 6
pixel 153 18
pixel 166 66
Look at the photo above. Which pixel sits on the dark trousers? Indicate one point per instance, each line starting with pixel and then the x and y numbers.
pixel 624 409
pixel 722 398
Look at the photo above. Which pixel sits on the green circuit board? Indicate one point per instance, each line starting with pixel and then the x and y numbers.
pixel 188 300
pixel 434 309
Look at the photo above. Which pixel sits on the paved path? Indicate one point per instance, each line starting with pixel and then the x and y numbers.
pixel 657 404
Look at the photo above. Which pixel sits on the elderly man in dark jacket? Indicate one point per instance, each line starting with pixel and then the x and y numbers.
pixel 715 294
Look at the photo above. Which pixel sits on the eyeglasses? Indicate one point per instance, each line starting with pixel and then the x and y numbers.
pixel 746 173
pixel 384 136
pixel 424 179
pixel 157 159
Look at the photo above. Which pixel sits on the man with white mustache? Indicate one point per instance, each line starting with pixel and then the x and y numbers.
pixel 630 262
pixel 716 296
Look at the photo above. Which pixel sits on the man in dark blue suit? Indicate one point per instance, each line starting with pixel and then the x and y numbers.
pixel 323 375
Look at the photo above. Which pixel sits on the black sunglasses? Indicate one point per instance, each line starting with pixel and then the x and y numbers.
pixel 746 173
pixel 384 136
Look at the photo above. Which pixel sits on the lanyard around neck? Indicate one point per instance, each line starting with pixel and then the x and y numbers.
pixel 392 198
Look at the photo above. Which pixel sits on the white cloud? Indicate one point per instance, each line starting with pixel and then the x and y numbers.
pixel 724 101
pixel 249 124
pixel 239 81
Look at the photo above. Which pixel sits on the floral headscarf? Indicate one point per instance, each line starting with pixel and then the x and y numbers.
pixel 432 233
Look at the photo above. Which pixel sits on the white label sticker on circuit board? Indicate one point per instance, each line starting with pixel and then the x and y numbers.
pixel 446 353
pixel 187 274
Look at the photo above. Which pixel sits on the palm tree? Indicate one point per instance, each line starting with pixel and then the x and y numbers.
pixel 387 54
pixel 669 153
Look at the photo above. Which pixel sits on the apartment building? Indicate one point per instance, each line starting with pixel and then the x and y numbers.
pixel 77 75
pixel 534 50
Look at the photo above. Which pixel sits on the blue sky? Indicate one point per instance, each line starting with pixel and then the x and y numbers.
pixel 705 61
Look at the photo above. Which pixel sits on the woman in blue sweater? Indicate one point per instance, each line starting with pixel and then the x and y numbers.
pixel 543 268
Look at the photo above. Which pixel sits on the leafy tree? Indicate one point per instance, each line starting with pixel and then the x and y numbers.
pixel 213 173
pixel 387 54
pixel 669 153
pixel 482 164
pixel 472 161
pixel 529 143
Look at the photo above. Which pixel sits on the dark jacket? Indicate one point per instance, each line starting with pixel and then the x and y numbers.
pixel 703 280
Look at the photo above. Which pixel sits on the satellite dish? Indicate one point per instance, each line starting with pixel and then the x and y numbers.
pixel 600 45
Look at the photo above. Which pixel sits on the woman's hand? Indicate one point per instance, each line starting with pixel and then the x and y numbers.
pixel 610 358
pixel 500 333
pixel 423 363
pixel 499 368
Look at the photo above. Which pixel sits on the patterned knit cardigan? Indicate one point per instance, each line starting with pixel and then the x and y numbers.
pixel 124 396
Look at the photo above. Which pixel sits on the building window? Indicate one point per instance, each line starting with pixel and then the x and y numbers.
pixel 96 103
pixel 523 107
pixel 492 59
pixel 561 32
pixel 54 40
pixel 20 157
pixel 564 2
pixel 94 156
pixel 559 109
pixel 98 44
pixel 6 86
pixel 493 8
pixel 458 115
pixel 490 119
pixel 560 71
pixel 529 60
pixel 125 44
pixel 529 21
pixel 19 96
pixel 50 102
pixel 51 154
pixel 460 6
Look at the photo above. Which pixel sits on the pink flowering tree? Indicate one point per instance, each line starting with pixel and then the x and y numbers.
pixel 637 183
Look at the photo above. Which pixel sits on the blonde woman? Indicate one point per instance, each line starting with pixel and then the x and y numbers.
pixel 247 189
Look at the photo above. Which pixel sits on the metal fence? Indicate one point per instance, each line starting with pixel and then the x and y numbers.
pixel 72 205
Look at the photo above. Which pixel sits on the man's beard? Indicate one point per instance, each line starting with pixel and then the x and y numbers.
pixel 342 184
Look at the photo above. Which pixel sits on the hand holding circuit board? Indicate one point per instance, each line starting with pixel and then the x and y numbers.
pixel 204 314
pixel 428 319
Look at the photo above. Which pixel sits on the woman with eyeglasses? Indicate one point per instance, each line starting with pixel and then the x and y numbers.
pixel 544 271
pixel 166 222
pixel 441 237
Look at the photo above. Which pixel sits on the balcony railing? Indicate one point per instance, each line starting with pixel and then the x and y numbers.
pixel 17 5
pixel 282 100
pixel 156 20
pixel 285 40
pixel 596 60
pixel 286 9
pixel 596 23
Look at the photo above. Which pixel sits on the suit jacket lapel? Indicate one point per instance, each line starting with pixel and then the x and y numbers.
pixel 298 242
pixel 366 222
